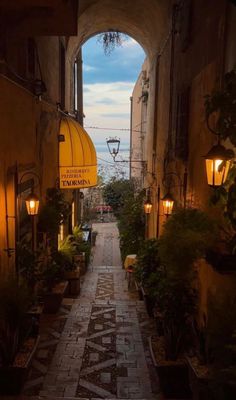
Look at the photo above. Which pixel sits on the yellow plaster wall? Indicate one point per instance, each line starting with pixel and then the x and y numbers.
pixel 213 282
pixel 28 139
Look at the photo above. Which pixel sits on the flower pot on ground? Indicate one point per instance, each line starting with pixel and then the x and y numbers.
pixel 64 257
pixel 53 298
pixel 28 265
pixel 53 288
pixel 184 239
pixel 173 375
pixel 73 278
pixel 147 265
pixel 18 339
pixel 13 377
pixel 220 344
pixel 199 379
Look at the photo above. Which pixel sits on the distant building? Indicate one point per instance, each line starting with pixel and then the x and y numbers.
pixel 138 126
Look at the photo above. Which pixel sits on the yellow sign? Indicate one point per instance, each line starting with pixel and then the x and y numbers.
pixel 78 177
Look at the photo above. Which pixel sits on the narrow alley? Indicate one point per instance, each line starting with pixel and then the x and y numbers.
pixel 102 350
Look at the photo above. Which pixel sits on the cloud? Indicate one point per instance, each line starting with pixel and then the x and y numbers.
pixel 107 100
pixel 123 64
pixel 89 68
pixel 116 115
pixel 130 42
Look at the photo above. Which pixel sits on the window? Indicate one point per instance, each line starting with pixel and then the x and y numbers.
pixel 182 115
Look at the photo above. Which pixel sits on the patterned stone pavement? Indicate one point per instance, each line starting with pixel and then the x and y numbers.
pixel 99 347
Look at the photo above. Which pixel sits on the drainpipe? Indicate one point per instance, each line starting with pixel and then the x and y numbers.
pixel 80 119
pixel 79 94
pixel 130 139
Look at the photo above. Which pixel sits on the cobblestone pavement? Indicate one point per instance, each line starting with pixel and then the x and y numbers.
pixel 100 349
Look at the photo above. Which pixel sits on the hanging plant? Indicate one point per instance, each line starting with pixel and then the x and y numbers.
pixel 222 105
pixel 110 40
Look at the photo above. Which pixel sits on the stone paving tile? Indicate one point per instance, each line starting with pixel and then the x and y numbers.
pixel 102 351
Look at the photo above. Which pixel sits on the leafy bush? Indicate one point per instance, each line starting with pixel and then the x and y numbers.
pixel 186 236
pixel 148 261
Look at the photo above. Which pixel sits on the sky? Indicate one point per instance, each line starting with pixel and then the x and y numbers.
pixel 108 85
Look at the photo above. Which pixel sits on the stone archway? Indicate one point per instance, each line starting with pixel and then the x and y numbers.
pixel 147 22
pixel 142 20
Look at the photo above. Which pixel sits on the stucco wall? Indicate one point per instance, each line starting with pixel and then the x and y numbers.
pixel 139 122
pixel 28 143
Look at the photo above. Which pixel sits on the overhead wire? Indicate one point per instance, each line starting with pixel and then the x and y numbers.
pixel 112 129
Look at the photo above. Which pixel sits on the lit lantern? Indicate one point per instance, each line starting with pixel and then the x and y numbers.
pixel 148 206
pixel 217 165
pixel 32 204
pixel 168 203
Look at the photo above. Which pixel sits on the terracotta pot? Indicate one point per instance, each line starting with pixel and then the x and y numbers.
pixel 12 378
pixel 173 377
pixel 73 278
pixel 53 299
pixel 199 384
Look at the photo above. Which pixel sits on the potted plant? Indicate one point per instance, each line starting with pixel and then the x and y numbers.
pixel 222 105
pixel 147 264
pixel 65 258
pixel 18 341
pixel 212 369
pixel 184 239
pixel 52 214
pixel 53 287
pixel 28 265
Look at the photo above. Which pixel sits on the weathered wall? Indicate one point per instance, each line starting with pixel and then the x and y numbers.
pixel 195 69
pixel 213 283
pixel 139 121
pixel 29 128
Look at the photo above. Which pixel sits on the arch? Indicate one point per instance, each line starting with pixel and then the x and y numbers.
pixel 145 23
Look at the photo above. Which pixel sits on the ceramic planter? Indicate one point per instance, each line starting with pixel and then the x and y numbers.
pixel 12 378
pixel 73 278
pixel 53 299
pixel 199 383
pixel 173 377
pixel 81 262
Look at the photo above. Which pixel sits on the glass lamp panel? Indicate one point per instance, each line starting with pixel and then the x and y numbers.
pixel 168 206
pixel 32 206
pixel 217 171
pixel 148 208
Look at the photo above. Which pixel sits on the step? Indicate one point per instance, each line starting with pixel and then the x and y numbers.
pixel 71 398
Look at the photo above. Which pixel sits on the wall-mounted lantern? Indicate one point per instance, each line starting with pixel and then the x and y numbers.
pixel 168 203
pixel 169 182
pixel 217 164
pixel 148 204
pixel 32 204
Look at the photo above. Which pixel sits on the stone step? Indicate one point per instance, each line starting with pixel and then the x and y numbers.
pixel 71 398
